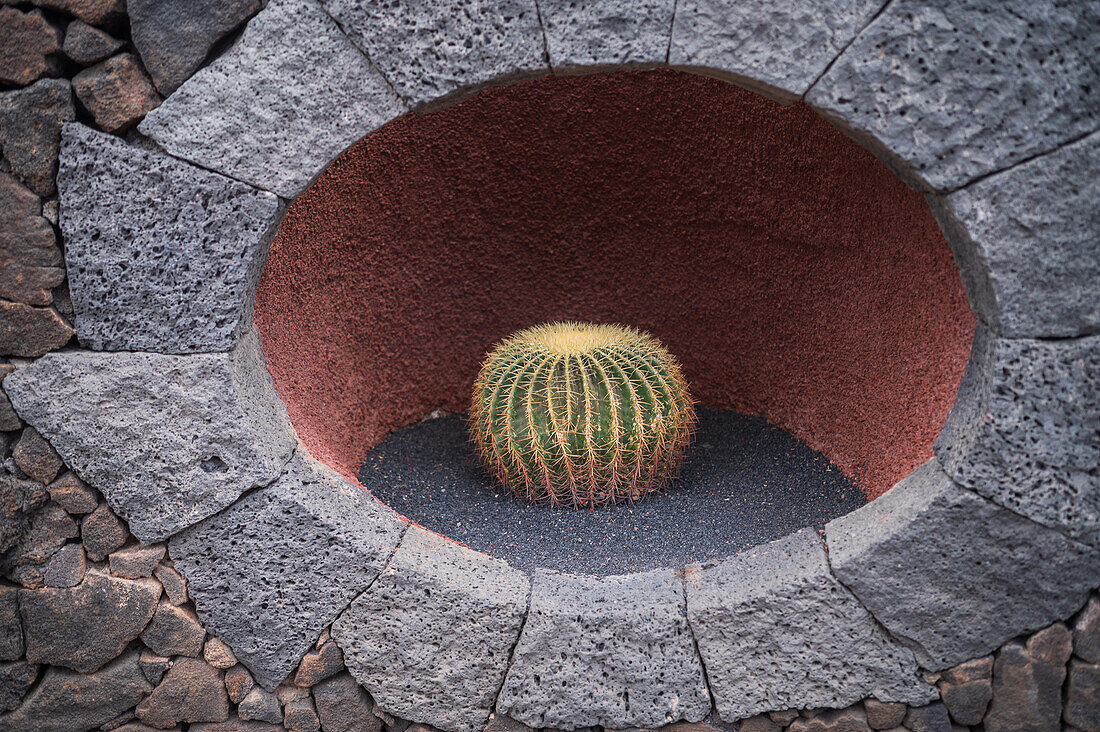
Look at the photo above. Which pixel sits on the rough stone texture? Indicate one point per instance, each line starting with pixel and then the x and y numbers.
pixel 1086 631
pixel 236 725
pixel 300 716
pixel 883 715
pixel 767 619
pixel 1023 429
pixel 966 690
pixel 218 654
pixel 343 706
pixel 95 12
pixel 162 256
pixel 87 44
pixel 9 420
pixel 606 33
pixel 30 260
pixel 136 560
pixel 66 567
pixel 86 626
pixel 117 92
pixel 1027 246
pixel 190 692
pixel 65 700
pixel 49 528
pixel 291 94
pixel 15 679
pixel 320 664
pixel 613 651
pixel 35 457
pixel 19 498
pixel 778 49
pixel 950 91
pixel 153 666
pixel 238 682
pixel 103 532
pixel 174 631
pixel 429 50
pixel 72 494
pixel 11 631
pixel 271 571
pixel 260 705
pixel 168 440
pixel 430 639
pixel 930 718
pixel 27 45
pixel 175 586
pixel 1082 708
pixel 175 36
pixel 30 130
pixel 1027 682
pixel 832 720
pixel 29 332
pixel 943 569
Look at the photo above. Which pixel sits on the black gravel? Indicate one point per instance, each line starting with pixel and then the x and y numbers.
pixel 743 483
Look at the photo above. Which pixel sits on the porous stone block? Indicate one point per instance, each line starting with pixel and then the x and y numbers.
pixel 776 630
pixel 450 616
pixel 30 130
pixel 606 33
pixel 952 574
pixel 162 256
pixel 268 573
pixel 429 50
pixel 612 651
pixel 949 91
pixel 290 95
pixel 776 48
pixel 168 440
pixel 1027 243
pixel 1023 429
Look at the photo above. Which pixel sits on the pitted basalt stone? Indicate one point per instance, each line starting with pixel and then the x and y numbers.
pixel 1027 244
pixel 429 50
pixel 431 637
pixel 1023 430
pixel 776 48
pixel 612 651
pixel 953 575
pixel 162 256
pixel 290 95
pixel 606 33
pixel 776 630
pixel 268 573
pixel 168 440
pixel 946 92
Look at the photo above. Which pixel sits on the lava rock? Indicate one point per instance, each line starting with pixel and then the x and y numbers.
pixel 174 631
pixel 269 572
pixel 300 716
pixel 73 494
pixel 86 626
pixel 49 528
pixel 87 45
pixel 117 92
pixel 27 46
pixel 19 498
pixel 601 34
pixel 153 666
pixel 30 132
pixel 343 706
pixel 162 256
pixel 238 682
pixel 320 664
pixel 66 567
pixel 1027 682
pixel 36 457
pixel 1086 631
pixel 94 12
pixel 15 679
pixel 883 715
pixel 30 332
pixel 30 260
pixel 11 629
pixel 833 720
pixel 930 718
pixel 136 561
pixel 103 532
pixel 191 691
pixel 1082 695
pixel 236 725
pixel 168 440
pixel 277 108
pixel 260 705
pixel 453 615
pixel 759 723
pixel 219 655
pixel 175 586
pixel 966 690
pixel 942 568
pixel 9 420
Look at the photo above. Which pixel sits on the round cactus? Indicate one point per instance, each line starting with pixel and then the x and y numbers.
pixel 580 414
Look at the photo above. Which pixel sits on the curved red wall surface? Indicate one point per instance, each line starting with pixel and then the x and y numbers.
pixel 793 275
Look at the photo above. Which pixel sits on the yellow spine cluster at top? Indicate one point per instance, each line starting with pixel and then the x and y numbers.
pixel 581 414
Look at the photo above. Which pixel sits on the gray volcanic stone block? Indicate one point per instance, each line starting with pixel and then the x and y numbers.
pixel 268 573
pixel 162 256
pixel 612 651
pixel 290 95
pixel 1023 431
pixel 168 440
pixel 776 48
pixel 953 575
pixel 606 33
pixel 430 49
pixel 948 91
pixel 777 631
pixel 1028 243
pixel 430 638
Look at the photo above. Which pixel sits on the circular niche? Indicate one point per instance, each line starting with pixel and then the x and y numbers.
pixel 809 295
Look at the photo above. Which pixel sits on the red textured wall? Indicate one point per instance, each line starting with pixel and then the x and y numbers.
pixel 791 272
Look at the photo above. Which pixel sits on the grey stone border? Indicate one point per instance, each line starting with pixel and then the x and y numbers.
pixel 1013 184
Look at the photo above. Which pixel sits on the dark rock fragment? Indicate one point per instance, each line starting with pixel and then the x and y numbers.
pixel 36 457
pixel 192 691
pixel 103 532
pixel 344 706
pixel 174 631
pixel 117 92
pixel 27 46
pixel 73 494
pixel 30 132
pixel 87 44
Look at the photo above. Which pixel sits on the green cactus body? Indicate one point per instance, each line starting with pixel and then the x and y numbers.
pixel 579 414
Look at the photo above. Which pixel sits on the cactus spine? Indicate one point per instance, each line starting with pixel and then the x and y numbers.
pixel 580 414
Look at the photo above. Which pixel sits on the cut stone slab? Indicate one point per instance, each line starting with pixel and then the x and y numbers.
pixel 290 95
pixel 776 48
pixel 451 615
pixel 65 700
pixel 268 573
pixel 1023 430
pixel 30 131
pixel 168 440
pixel 1027 244
pixel 431 50
pixel 943 568
pixel 606 33
pixel 776 631
pixel 162 256
pixel 613 651
pixel 950 91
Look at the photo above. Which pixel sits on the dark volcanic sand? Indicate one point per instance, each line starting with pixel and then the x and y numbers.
pixel 743 482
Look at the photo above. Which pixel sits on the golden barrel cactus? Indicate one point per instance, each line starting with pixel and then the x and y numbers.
pixel 581 414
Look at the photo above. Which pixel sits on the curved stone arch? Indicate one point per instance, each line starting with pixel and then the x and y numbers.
pixel 173 417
